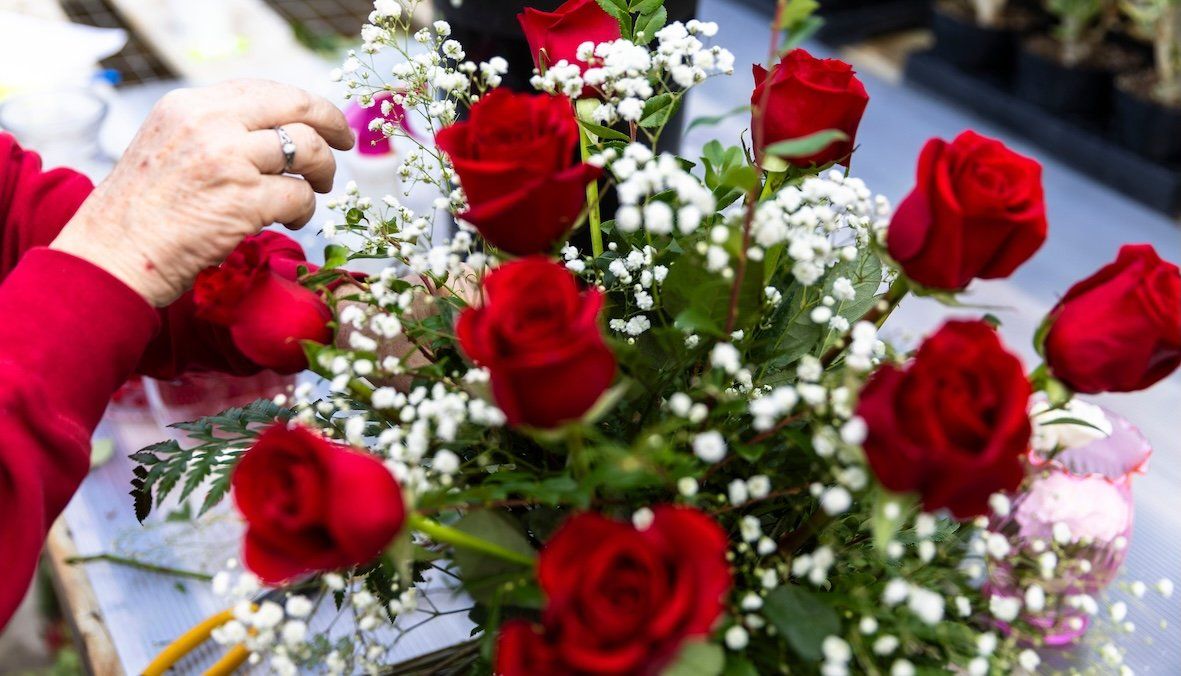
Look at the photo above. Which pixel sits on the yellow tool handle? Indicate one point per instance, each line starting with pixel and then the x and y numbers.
pixel 186 644
pixel 229 662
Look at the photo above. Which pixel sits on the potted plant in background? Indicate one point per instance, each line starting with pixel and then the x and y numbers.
pixel 1148 102
pixel 1071 71
pixel 981 35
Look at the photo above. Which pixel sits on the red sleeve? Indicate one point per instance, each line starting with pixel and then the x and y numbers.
pixel 70 335
pixel 36 205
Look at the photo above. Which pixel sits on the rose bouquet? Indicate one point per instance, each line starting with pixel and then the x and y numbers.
pixel 668 439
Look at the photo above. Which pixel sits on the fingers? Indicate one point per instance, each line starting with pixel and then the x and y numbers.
pixel 313 158
pixel 262 104
pixel 288 200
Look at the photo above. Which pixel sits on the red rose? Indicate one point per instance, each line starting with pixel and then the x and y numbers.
pixel 255 295
pixel 976 211
pixel 621 600
pixel 555 36
pixel 516 159
pixel 539 337
pixel 312 505
pixel 803 95
pixel 951 425
pixel 1118 330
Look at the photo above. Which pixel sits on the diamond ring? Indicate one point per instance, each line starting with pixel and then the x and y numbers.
pixel 288 146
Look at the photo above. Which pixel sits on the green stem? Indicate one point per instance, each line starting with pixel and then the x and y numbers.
pixel 457 538
pixel 577 452
pixel 141 565
pixel 592 198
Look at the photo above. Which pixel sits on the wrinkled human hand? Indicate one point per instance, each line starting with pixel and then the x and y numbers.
pixel 205 170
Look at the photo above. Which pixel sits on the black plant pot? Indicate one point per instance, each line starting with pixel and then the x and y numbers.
pixel 989 51
pixel 1145 126
pixel 971 46
pixel 1081 92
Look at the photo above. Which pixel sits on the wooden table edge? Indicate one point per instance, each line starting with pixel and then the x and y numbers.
pixel 80 605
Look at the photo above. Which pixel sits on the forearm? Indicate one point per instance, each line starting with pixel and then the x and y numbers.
pixel 71 336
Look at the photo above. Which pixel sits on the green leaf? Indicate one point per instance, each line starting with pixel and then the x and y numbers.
pixel 604 132
pixel 649 24
pixel 335 256
pixel 801 32
pixel 743 177
pixel 796 11
pixel 484 576
pixel 805 146
pixel 694 294
pixel 222 439
pixel 737 665
pixel 803 618
pixel 657 110
pixel 693 320
pixel 698 659
pixel 616 8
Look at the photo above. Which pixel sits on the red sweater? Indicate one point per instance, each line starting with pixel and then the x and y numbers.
pixel 70 335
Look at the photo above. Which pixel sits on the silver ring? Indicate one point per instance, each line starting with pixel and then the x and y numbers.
pixel 288 146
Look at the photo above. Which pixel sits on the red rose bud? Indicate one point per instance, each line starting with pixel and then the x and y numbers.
pixel 977 211
pixel 621 600
pixel 803 95
pixel 538 336
pixel 555 36
pixel 254 294
pixel 312 505
pixel 952 424
pixel 1118 330
pixel 516 159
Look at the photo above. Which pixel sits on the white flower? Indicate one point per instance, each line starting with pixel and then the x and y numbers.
pixel 835 649
pixel 1029 660
pixel 299 606
pixel 642 518
pixel 902 668
pixel 710 446
pixel 445 462
pixel 926 605
pixel 1165 587
pixel 1004 608
pixel 294 632
pixel 836 500
pixel 737 492
pixel 687 486
pixel 759 486
pixel 1000 504
pixel 885 645
pixel 986 643
pixel 737 638
pixel 978 667
pixel 896 592
pixel 726 357
pixel 1035 598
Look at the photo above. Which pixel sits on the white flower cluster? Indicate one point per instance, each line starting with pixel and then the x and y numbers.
pixel 821 222
pixel 638 276
pixel 277 630
pixel 438 66
pixel 642 175
pixel 623 73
